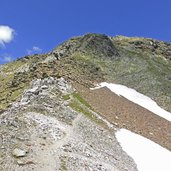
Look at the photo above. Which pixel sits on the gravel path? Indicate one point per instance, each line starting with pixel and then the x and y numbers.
pixel 56 138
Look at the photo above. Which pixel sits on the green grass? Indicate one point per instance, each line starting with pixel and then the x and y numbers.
pixel 63 164
pixel 80 105
pixel 77 106
pixel 81 100
pixel 66 97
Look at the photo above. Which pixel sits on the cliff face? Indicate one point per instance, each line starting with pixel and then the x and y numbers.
pixel 45 114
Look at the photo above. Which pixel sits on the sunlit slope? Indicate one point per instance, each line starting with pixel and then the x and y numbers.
pixel 139 63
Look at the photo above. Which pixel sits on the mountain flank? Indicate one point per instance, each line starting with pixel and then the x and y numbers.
pixel 140 63
pixel 51 120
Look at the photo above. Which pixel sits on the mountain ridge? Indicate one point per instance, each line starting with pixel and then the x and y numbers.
pixel 50 119
pixel 139 63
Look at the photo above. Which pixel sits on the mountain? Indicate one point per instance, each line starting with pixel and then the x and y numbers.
pixel 52 120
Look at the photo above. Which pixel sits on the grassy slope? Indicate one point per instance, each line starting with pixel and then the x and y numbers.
pixel 15 77
pixel 143 69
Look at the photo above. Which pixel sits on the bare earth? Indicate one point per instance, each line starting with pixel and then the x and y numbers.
pixel 126 114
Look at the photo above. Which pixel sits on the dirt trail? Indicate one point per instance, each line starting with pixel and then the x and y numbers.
pixel 48 157
pixel 56 137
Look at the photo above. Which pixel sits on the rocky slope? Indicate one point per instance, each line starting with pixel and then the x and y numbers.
pixel 143 64
pixel 50 120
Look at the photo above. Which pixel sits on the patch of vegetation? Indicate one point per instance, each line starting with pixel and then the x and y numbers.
pixel 14 79
pixel 80 105
pixel 66 97
pixel 63 164
pixel 77 106
pixel 77 96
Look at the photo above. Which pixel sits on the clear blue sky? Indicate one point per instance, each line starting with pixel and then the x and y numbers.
pixel 46 23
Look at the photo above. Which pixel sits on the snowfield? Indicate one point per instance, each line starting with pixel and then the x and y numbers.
pixel 148 155
pixel 137 98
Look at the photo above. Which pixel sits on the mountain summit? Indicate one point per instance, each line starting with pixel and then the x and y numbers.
pixel 52 120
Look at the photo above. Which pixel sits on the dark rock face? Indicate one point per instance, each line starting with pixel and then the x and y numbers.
pixel 98 44
pixel 94 44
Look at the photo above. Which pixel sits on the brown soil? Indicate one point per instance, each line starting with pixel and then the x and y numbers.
pixel 126 114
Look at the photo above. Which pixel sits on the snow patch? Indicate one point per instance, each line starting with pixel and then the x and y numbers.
pixel 137 98
pixel 146 154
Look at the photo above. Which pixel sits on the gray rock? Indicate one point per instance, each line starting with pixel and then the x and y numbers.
pixel 21 162
pixel 44 87
pixel 17 152
pixel 23 68
pixel 63 85
pixel 50 59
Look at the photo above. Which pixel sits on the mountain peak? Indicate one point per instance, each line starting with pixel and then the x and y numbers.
pixel 91 43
